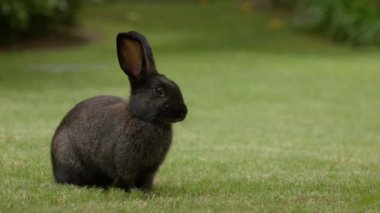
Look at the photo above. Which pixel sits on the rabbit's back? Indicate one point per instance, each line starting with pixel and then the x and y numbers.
pixel 99 142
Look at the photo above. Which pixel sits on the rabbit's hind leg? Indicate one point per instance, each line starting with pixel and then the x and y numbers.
pixel 69 173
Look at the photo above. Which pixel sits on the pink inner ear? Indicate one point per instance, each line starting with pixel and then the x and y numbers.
pixel 132 56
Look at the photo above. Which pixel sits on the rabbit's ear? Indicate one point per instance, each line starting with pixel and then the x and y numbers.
pixel 135 55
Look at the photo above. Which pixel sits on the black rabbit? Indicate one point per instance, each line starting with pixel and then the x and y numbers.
pixel 106 141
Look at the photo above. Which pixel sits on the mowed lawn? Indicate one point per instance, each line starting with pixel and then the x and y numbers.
pixel 278 121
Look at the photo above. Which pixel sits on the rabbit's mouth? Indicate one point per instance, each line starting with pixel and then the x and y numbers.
pixel 178 119
pixel 175 115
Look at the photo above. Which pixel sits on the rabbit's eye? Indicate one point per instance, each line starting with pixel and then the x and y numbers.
pixel 159 91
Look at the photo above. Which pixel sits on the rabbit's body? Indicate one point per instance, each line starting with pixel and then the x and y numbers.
pixel 112 150
pixel 106 141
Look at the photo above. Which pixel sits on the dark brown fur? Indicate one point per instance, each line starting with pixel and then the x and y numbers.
pixel 103 142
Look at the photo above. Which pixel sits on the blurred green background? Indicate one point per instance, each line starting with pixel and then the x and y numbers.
pixel 283 101
pixel 356 22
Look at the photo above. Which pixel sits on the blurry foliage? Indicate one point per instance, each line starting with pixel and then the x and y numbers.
pixel 23 18
pixel 288 4
pixel 356 22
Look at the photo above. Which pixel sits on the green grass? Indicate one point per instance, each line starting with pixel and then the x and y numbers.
pixel 278 121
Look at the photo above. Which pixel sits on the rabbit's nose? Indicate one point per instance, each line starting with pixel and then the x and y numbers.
pixel 185 110
pixel 182 112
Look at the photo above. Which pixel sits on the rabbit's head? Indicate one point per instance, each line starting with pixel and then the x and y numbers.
pixel 153 98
